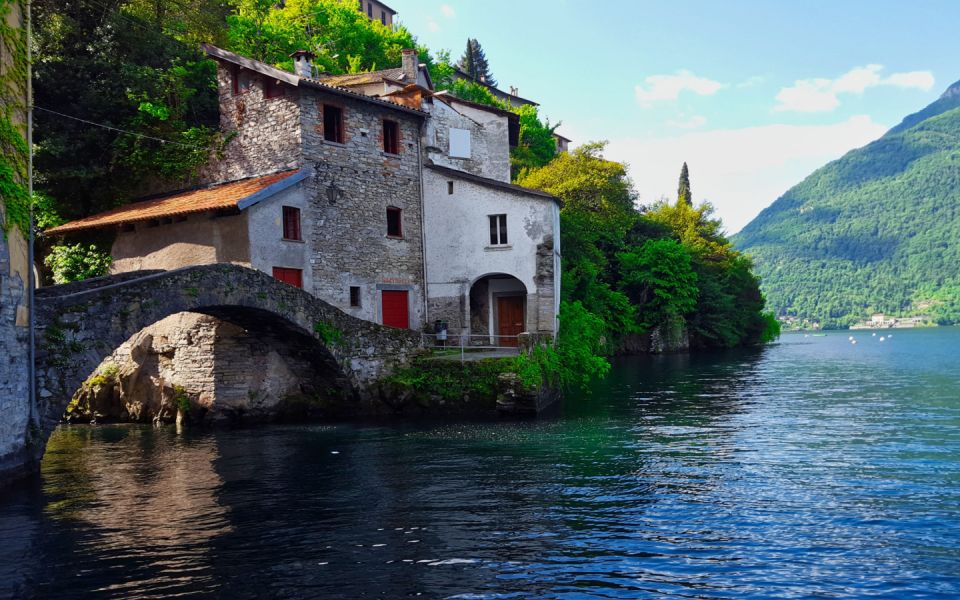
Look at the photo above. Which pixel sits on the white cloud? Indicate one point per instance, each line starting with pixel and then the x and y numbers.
pixel 741 171
pixel 448 11
pixel 810 95
pixel 821 95
pixel 858 79
pixel 691 123
pixel 433 26
pixel 669 87
pixel 921 80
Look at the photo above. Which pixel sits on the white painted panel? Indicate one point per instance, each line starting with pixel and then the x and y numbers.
pixel 459 143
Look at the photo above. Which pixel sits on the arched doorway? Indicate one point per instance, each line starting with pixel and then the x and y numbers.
pixel 498 310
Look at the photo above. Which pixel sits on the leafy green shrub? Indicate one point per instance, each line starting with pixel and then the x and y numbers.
pixel 106 375
pixel 77 262
pixel 182 399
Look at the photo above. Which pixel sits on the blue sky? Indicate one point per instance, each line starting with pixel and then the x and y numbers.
pixel 753 95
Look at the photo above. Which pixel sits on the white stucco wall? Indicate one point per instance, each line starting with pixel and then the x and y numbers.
pixel 489 139
pixel 268 249
pixel 458 250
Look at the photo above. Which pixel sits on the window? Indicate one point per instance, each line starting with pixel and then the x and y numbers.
pixel 369 10
pixel 498 230
pixel 291 223
pixel 450 187
pixel 354 295
pixel 242 79
pixel 293 277
pixel 460 143
pixel 391 137
pixel 272 88
pixel 383 17
pixel 394 222
pixel 333 123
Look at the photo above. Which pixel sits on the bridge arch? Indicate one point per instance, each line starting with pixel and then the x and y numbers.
pixel 79 325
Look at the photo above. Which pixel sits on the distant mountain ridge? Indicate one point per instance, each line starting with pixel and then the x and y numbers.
pixel 877 230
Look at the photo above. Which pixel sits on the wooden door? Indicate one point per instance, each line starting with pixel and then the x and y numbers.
pixel 396 309
pixel 509 319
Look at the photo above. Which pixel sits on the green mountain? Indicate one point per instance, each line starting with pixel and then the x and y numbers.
pixel 877 230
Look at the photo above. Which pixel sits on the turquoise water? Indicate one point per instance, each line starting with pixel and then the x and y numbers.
pixel 812 468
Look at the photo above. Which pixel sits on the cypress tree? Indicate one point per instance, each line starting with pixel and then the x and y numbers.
pixel 684 195
pixel 474 63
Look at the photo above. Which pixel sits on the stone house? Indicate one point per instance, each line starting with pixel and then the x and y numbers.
pixel 492 247
pixel 372 192
pixel 319 186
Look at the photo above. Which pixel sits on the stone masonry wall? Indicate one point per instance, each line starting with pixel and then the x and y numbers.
pixel 14 353
pixel 348 193
pixel 267 130
pixel 489 147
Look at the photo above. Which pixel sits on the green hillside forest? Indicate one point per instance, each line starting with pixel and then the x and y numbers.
pixel 876 231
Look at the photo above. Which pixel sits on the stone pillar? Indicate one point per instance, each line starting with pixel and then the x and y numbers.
pixel 15 456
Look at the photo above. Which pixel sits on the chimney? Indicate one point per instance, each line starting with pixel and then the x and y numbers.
pixel 410 65
pixel 301 63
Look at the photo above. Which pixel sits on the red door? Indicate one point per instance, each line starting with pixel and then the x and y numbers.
pixel 292 276
pixel 509 319
pixel 396 309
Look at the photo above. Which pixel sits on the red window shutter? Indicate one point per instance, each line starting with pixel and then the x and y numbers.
pixel 293 277
pixel 396 309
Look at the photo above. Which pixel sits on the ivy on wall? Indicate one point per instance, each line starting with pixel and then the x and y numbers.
pixel 13 95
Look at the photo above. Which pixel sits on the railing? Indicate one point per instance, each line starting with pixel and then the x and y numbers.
pixel 467 344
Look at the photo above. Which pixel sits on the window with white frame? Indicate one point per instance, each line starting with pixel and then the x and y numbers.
pixel 498 230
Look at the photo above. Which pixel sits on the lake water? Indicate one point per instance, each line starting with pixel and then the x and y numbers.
pixel 814 467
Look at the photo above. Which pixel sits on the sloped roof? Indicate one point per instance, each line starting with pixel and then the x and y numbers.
pixel 296 80
pixel 219 196
pixel 488 182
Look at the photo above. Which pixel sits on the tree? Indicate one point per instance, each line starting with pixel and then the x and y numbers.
pixel 343 39
pixel 684 195
pixel 127 74
pixel 659 278
pixel 474 63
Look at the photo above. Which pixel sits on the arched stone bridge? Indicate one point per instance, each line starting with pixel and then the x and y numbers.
pixel 81 324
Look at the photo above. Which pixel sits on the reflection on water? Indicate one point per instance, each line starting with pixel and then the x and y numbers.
pixel 811 468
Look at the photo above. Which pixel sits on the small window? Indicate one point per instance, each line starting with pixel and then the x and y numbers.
pixel 450 187
pixel 391 137
pixel 272 88
pixel 291 223
pixel 383 17
pixel 394 222
pixel 333 123
pixel 498 230
pixel 369 10
pixel 293 277
pixel 242 79
pixel 354 295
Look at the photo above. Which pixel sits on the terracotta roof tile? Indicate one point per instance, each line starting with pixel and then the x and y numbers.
pixel 224 195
